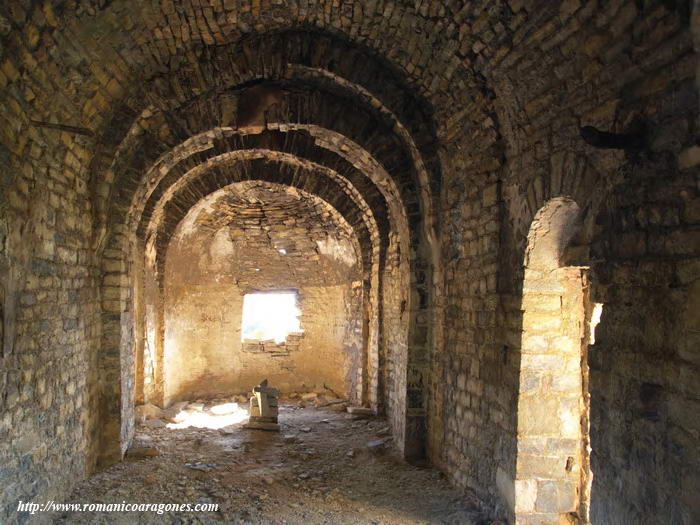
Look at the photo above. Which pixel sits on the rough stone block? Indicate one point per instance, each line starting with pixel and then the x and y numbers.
pixel 538 415
pixel 556 496
pixel 541 322
pixel 525 495
pixel 490 195
pixel 545 467
pixel 689 157
pixel 535 342
pixel 542 362
pixel 542 302
pixel 566 382
pixel 567 345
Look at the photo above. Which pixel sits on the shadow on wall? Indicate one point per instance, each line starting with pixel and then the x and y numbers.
pixel 644 375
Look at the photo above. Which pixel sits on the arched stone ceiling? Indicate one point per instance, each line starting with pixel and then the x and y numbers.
pixel 207 179
pixel 266 217
pixel 414 59
pixel 426 43
pixel 395 151
pixel 294 146
pixel 132 67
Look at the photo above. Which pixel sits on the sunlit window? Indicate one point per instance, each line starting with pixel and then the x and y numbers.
pixel 595 319
pixel 270 315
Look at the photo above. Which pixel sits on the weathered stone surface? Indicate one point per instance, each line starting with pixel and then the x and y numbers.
pixel 438 130
pixel 360 411
pixel 148 411
pixel 553 497
pixel 155 423
pixel 140 452
pixel 229 245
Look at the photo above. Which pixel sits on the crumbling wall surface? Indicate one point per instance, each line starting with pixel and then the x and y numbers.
pixel 49 315
pixel 638 210
pixel 645 364
pixel 500 89
pixel 475 409
pixel 258 237
pixel 74 92
pixel 550 69
pixel 393 343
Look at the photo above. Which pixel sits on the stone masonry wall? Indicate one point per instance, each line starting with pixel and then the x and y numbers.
pixel 644 368
pixel 551 457
pixel 549 68
pixel 645 71
pixel 507 85
pixel 393 343
pixel 475 411
pixel 230 245
pixel 84 65
pixel 49 315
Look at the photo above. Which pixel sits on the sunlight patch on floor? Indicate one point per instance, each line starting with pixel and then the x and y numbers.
pixel 216 417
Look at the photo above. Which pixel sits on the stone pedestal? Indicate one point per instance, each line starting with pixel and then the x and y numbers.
pixel 263 408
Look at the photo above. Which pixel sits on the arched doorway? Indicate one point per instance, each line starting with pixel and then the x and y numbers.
pixel 553 475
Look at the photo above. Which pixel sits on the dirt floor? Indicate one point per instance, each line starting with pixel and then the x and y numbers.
pixel 325 466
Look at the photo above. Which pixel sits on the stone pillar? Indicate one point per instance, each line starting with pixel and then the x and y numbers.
pixel 550 406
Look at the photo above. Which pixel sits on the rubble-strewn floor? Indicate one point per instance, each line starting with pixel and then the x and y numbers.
pixel 318 470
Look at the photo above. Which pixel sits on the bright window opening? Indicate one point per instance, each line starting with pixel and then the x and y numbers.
pixel 595 319
pixel 270 315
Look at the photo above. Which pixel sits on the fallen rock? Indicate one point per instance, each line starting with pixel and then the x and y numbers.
pixel 320 400
pixel 360 411
pixel 203 467
pixel 181 417
pixel 173 410
pixel 331 402
pixel 151 479
pixel 140 452
pixel 155 423
pixel 384 431
pixel 311 396
pixel 148 411
pixel 376 446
